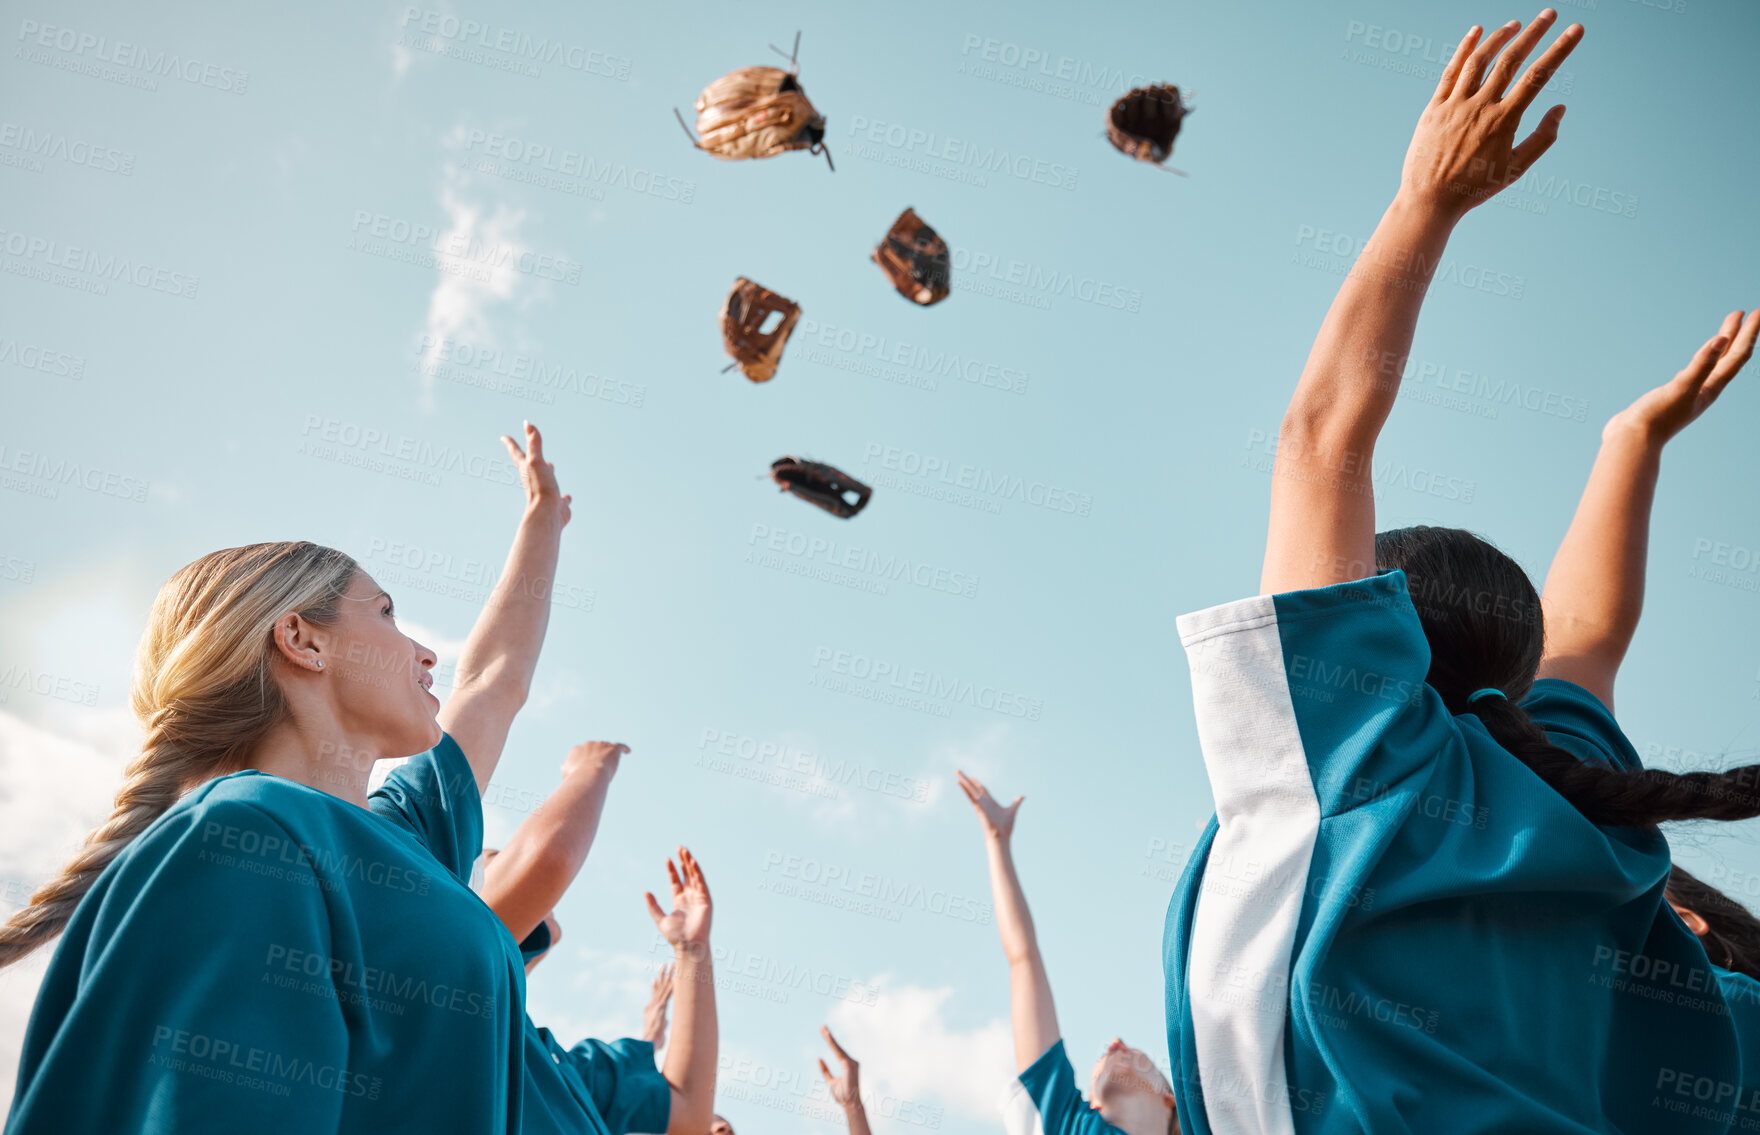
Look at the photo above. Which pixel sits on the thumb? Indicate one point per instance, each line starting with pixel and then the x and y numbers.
pixel 826 1072
pixel 654 910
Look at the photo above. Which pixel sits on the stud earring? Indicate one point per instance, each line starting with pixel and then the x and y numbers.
pixel 320 663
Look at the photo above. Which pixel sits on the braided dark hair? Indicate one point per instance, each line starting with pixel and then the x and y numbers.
pixel 1732 935
pixel 1481 617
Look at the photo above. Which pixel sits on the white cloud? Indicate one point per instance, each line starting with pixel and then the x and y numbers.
pixel 56 789
pixel 907 1049
pixel 458 306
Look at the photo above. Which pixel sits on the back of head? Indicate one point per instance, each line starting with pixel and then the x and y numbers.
pixel 1482 619
pixel 204 695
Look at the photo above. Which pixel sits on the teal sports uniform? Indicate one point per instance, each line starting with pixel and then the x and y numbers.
pixel 268 958
pixel 1393 925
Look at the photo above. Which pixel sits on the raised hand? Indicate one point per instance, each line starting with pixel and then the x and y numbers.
pixel 592 756
pixel 998 821
pixel 1464 149
pixel 1670 408
pixel 687 925
pixel 846 1087
pixel 537 474
pixel 654 1016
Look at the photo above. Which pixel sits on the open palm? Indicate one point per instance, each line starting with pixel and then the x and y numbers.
pixel 688 921
pixel 998 820
pixel 1677 403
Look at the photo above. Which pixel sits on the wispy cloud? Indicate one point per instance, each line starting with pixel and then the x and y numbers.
pixel 908 1049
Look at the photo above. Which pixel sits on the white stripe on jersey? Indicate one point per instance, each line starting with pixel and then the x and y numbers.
pixel 1251 894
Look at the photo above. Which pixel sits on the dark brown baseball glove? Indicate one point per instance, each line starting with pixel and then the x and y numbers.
pixel 1143 123
pixel 915 259
pixel 816 483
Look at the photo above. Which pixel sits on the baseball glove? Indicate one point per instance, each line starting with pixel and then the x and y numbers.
pixel 832 490
pixel 915 259
pixel 755 351
pixel 1143 123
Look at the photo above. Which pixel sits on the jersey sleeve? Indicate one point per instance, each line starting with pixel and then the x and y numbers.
pixel 1312 700
pixel 174 1020
pixel 1577 721
pixel 1044 1100
pixel 434 797
pixel 536 944
pixel 632 1097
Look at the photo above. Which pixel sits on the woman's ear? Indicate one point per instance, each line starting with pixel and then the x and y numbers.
pixel 1694 920
pixel 296 642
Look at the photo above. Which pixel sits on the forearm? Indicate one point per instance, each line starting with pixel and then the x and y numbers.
pixel 1322 504
pixel 857 1116
pixel 533 870
pixel 1595 587
pixel 1033 1013
pixel 503 645
pixel 691 1056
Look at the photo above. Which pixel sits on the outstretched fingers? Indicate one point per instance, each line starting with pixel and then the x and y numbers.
pixel 1505 68
pixel 974 791
pixel 1452 72
pixel 835 1047
pixel 1742 333
pixel 1480 60
pixel 1540 72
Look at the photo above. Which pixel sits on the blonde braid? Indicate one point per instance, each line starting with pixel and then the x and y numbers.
pixel 205 695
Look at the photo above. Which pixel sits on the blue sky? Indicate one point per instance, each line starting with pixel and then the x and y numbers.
pixel 1067 453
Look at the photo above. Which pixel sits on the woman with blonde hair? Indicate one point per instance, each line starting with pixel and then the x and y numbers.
pixel 252 940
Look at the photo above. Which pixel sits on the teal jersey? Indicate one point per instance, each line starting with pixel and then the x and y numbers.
pixel 1394 925
pixel 268 958
pixel 1045 1100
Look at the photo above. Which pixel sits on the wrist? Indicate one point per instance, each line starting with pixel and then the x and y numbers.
pixel 853 1106
pixel 1426 213
pixel 1634 430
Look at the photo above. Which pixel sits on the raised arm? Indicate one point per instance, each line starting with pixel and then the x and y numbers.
pixel 1463 151
pixel 690 1058
pixel 1595 588
pixel 654 1016
pixel 846 1086
pixel 496 665
pixel 527 878
pixel 1029 988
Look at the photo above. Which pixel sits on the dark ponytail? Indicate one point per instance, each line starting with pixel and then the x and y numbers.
pixel 1732 935
pixel 1481 617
